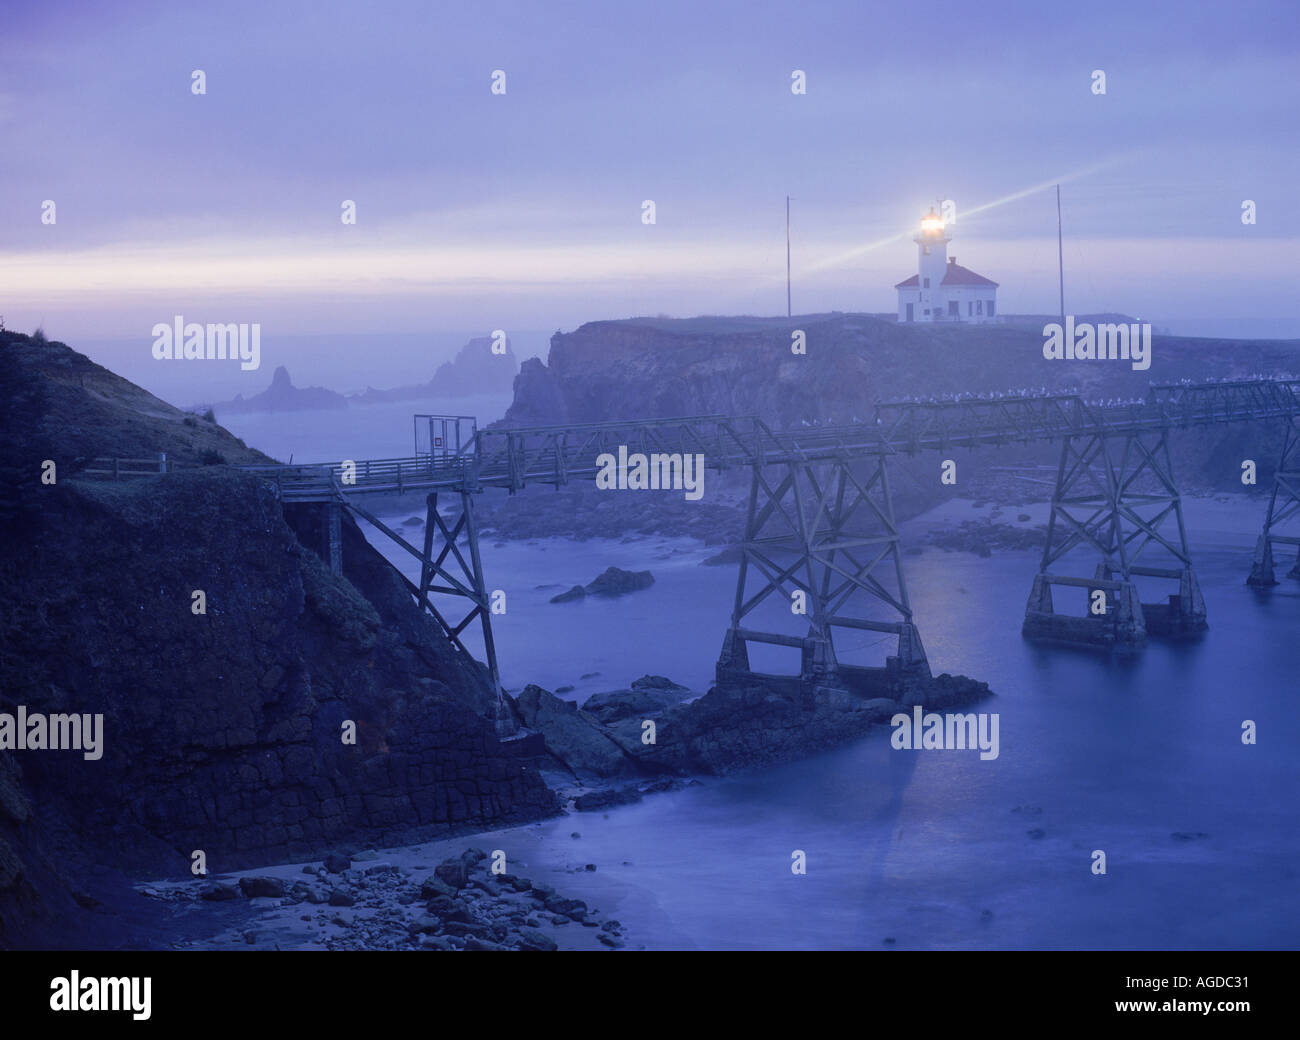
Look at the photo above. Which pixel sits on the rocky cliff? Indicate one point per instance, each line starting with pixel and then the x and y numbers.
pixel 661 367
pixel 223 729
pixel 653 368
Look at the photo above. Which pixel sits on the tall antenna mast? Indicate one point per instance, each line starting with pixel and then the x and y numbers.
pixel 1060 255
pixel 787 256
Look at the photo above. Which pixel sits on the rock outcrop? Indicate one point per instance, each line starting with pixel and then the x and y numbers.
pixel 473 371
pixel 727 730
pixel 647 696
pixel 612 581
pixel 731 729
pixel 575 738
pixel 283 396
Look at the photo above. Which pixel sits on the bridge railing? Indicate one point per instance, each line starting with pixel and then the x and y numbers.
pixel 1229 401
pixel 515 457
pixel 554 454
pixel 120 469
pixel 915 425
pixel 398 474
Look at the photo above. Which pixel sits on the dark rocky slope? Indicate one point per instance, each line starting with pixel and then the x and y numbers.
pixel 59 404
pixel 222 732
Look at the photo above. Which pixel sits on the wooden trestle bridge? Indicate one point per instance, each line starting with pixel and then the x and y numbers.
pixel 821 522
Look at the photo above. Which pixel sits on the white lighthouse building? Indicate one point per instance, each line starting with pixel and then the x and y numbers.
pixel 943 290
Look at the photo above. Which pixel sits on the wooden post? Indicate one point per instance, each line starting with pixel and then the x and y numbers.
pixel 426 562
pixel 335 520
pixel 1060 254
pixel 787 256
pixel 480 587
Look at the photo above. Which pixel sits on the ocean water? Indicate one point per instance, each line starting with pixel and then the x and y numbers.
pixel 1140 758
pixel 360 431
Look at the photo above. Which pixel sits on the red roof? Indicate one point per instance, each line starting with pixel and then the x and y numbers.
pixel 954 274
pixel 958 275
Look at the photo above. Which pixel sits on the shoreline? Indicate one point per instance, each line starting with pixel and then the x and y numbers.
pixel 438 895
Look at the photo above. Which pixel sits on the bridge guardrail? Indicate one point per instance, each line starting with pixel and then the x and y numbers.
pixel 113 468
pixel 514 457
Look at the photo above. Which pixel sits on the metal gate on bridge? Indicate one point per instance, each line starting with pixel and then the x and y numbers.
pixel 443 436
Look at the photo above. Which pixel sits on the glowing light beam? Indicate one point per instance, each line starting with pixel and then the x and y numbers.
pixel 843 258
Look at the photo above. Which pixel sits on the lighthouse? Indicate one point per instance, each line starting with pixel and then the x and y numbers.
pixel 942 290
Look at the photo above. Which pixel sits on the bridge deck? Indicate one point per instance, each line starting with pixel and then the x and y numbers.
pixel 514 458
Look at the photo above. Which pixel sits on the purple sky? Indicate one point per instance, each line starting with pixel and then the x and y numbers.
pixel 523 211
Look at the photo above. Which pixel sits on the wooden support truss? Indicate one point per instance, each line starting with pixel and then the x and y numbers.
pixel 822 530
pixel 1116 496
pixel 452 569
pixel 1283 505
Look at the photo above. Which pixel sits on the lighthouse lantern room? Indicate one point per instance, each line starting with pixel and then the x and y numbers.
pixel 943 290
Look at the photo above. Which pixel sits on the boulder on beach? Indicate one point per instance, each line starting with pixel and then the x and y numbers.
pixel 533 939
pixel 453 872
pixel 256 887
pixel 220 891
pixel 434 886
pixel 572 736
pixel 336 862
